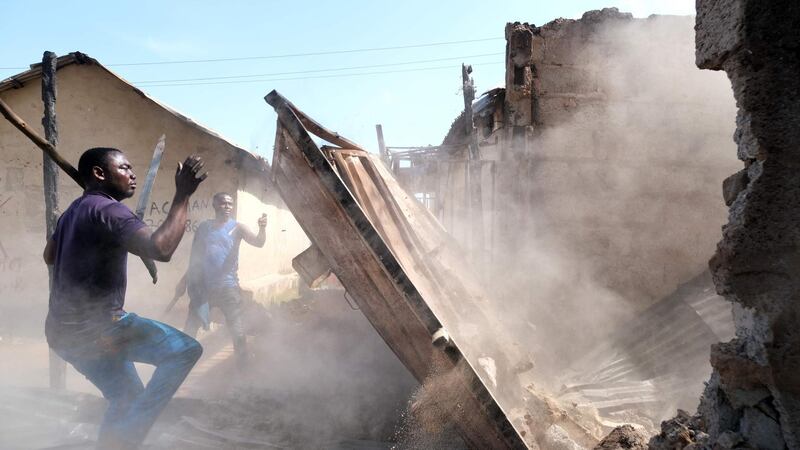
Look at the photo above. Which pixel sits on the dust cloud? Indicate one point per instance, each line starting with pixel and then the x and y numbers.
pixel 319 376
pixel 611 206
pixel 621 183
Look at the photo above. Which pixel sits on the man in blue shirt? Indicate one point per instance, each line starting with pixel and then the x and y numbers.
pixel 213 278
pixel 87 324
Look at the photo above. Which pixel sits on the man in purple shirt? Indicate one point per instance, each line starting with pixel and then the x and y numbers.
pixel 87 325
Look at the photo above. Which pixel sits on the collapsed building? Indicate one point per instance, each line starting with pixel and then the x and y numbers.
pixel 600 168
pixel 601 161
pixel 610 146
pixel 597 179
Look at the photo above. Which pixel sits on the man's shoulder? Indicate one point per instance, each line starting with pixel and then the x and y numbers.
pixel 113 215
pixel 113 209
pixel 98 202
pixel 88 205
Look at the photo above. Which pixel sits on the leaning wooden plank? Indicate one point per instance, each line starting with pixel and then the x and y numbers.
pixel 40 142
pixel 329 213
pixel 315 209
pixel 380 301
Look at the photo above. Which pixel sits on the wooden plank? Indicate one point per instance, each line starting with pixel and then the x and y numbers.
pixel 362 274
pixel 328 211
pixel 40 142
pixel 314 209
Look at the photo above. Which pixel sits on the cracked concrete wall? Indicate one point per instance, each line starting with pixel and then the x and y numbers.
pixel 754 392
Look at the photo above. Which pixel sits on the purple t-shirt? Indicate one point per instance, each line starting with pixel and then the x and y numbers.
pixel 90 268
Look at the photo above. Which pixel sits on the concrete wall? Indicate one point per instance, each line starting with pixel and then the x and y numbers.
pixel 94 108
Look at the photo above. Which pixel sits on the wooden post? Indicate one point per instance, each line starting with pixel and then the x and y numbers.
pixel 474 191
pixel 58 368
pixel 381 144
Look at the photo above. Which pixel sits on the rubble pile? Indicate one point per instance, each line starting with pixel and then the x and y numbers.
pixel 625 437
pixel 681 432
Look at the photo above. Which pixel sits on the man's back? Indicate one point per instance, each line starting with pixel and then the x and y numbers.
pixel 89 270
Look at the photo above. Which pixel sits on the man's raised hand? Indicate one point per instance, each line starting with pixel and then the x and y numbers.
pixel 262 221
pixel 186 176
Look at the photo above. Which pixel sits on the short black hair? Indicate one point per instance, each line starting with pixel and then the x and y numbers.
pixel 97 156
pixel 219 195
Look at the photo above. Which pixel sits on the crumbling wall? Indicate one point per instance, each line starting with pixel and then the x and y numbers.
pixel 601 186
pixel 621 166
pixel 754 392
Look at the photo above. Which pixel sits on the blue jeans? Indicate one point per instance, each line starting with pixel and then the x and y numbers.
pixel 105 354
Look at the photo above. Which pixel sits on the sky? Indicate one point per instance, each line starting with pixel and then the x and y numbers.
pixel 355 77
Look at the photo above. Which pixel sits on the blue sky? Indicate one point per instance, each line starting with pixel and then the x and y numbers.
pixel 416 96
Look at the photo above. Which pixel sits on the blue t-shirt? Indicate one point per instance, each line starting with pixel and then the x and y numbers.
pixel 214 263
pixel 91 261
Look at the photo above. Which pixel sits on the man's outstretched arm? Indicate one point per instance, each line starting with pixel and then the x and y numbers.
pixel 256 240
pixel 161 243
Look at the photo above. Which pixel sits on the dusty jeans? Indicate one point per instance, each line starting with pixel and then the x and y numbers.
pixel 229 301
pixel 105 353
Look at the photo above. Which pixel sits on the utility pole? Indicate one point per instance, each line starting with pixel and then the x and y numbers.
pixel 474 191
pixel 58 368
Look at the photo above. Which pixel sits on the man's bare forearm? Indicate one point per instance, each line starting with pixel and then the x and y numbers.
pixel 256 240
pixel 161 244
pixel 167 237
pixel 261 238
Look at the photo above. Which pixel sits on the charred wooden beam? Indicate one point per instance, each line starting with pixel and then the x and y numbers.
pixel 40 142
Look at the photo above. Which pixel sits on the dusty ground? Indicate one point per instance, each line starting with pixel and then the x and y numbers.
pixel 320 377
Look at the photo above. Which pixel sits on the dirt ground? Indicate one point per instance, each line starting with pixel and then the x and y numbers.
pixel 319 377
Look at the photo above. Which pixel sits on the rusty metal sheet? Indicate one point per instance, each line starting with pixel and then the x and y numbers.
pixel 399 265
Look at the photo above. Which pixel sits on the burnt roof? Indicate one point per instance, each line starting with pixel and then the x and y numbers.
pixel 482 107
